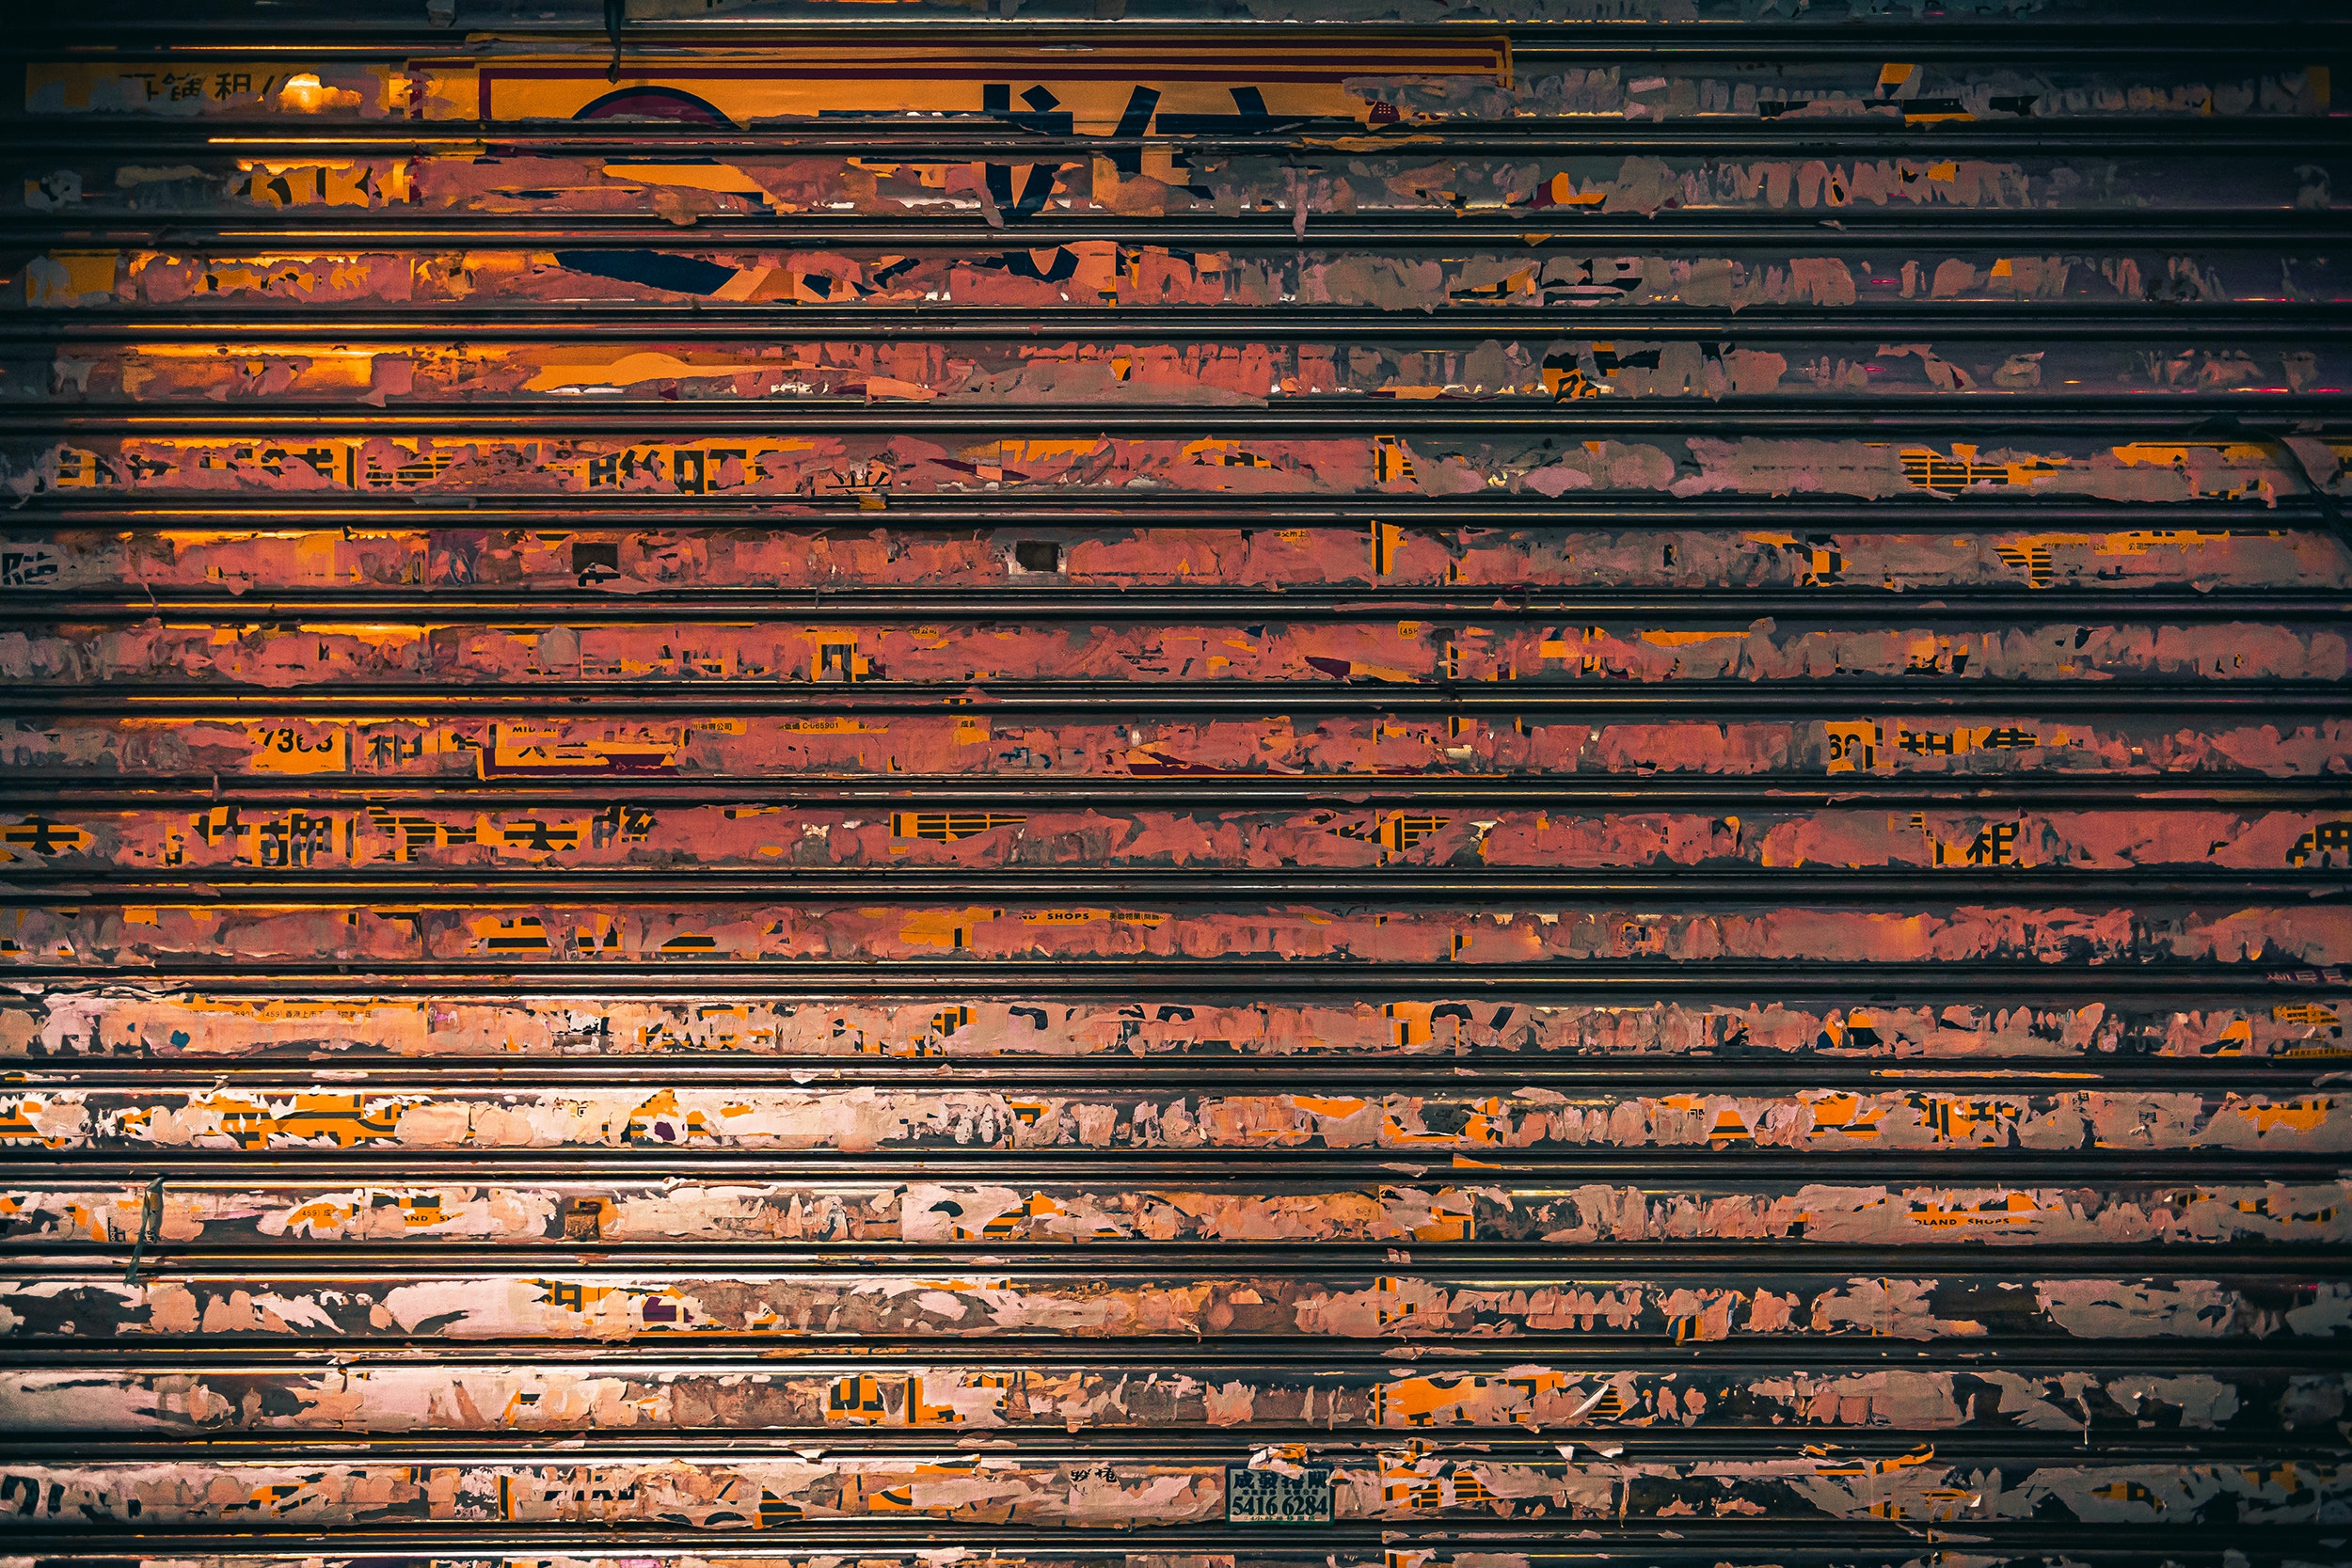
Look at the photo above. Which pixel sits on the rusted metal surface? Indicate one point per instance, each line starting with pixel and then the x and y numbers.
pixel 966 784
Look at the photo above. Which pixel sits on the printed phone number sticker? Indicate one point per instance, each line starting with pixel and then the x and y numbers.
pixel 1270 1498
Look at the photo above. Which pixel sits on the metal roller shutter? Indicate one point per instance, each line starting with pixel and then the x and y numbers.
pixel 1140 785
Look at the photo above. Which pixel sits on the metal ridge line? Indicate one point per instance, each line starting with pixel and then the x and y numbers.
pixel 1544 1543
pixel 1535 230
pixel 351 31
pixel 1210 1073
pixel 1446 1075
pixel 26 788
pixel 1234 1170
pixel 1796 1544
pixel 881 1351
pixel 319 1179
pixel 1158 603
pixel 1443 1072
pixel 1702 1543
pixel 139 512
pixel 350 27
pixel 295 1173
pixel 451 887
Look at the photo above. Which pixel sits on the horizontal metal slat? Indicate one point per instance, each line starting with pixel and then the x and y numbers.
pixel 1848 229
pixel 1614 982
pixel 228 1028
pixel 959 137
pixel 33 792
pixel 1826 1120
pixel 139 512
pixel 363 27
pixel 1700 1543
pixel 1718 700
pixel 206 324
pixel 230 888
pixel 654 1357
pixel 2151 416
pixel 1000 602
pixel 1637 1447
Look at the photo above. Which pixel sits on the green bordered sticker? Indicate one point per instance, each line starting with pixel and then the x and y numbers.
pixel 1271 1497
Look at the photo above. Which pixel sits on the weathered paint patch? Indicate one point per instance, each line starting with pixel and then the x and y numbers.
pixel 1214 461
pixel 1079 1490
pixel 95 937
pixel 1404 653
pixel 564 1304
pixel 1155 373
pixel 853 744
pixel 390 1397
pixel 754 837
pixel 1506 1206
pixel 1831 1120
pixel 1494 274
pixel 124 1022
pixel 781 554
pixel 1379 175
